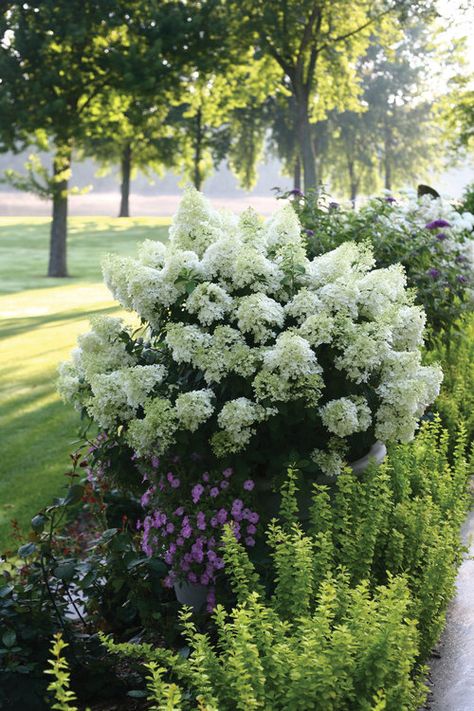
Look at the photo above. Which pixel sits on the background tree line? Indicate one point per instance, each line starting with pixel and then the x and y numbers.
pixel 336 90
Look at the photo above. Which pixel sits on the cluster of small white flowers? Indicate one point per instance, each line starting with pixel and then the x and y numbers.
pixel 209 302
pixel 236 304
pixel 238 419
pixel 345 416
pixel 193 408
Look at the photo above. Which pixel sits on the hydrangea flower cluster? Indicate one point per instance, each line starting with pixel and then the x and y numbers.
pixel 186 518
pixel 245 335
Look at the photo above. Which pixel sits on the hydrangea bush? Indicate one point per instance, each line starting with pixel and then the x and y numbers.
pixel 431 237
pixel 249 352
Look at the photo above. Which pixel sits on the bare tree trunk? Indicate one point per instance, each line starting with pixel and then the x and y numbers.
pixel 126 170
pixel 57 266
pixel 353 183
pixel 297 174
pixel 387 156
pixel 198 152
pixel 305 143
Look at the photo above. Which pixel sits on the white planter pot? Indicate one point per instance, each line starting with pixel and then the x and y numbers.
pixel 194 596
pixel 377 452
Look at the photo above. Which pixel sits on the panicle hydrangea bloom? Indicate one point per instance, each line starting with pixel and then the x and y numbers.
pixel 242 334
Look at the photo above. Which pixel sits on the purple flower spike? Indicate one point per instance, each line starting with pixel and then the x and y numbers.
pixel 441 236
pixel 433 273
pixel 437 224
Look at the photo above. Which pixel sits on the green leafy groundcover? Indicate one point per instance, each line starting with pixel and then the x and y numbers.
pixel 356 601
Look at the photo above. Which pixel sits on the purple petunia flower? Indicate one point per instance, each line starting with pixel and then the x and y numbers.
pixel 224 484
pixel 433 273
pixel 390 199
pixel 227 473
pixel 251 529
pixel 310 233
pixel 221 516
pixel 249 485
pixel 214 492
pixel 253 517
pixel 441 236
pixel 155 462
pixel 436 224
pixel 249 541
pixel 197 492
pixel 205 477
pixel 462 279
pixel 175 483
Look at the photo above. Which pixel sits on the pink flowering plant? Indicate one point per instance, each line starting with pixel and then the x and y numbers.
pixel 186 516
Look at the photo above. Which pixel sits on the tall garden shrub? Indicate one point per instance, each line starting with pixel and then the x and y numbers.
pixel 355 605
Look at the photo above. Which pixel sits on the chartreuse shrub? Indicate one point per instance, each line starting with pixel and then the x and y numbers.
pixel 456 399
pixel 356 603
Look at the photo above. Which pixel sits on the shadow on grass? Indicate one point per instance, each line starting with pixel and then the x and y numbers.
pixel 35 456
pixel 10 327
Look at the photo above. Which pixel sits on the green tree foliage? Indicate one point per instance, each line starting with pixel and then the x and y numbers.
pixel 316 46
pixel 56 59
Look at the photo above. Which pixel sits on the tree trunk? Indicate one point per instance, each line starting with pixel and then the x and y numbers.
pixel 297 174
pixel 126 169
pixel 58 242
pixel 353 183
pixel 197 152
pixel 305 143
pixel 387 156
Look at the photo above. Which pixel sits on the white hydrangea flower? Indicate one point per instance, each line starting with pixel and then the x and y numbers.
pixel 228 353
pixel 152 253
pixel 102 349
pixel 292 357
pixel 317 329
pixel 115 272
pixel 188 343
pixel 251 229
pixel 364 348
pixel 345 261
pixel 283 228
pixel 193 408
pixel 380 290
pixel 253 270
pixel 155 433
pixel 408 327
pixel 237 419
pixel 69 382
pixel 406 389
pixel 303 304
pixel 118 395
pixel 196 225
pixel 139 381
pixel 345 415
pixel 209 302
pixel 259 315
pixel 330 462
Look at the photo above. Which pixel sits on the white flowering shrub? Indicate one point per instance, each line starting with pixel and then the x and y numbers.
pixel 431 237
pixel 251 351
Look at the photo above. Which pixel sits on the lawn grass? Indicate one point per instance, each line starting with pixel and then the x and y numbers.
pixel 40 319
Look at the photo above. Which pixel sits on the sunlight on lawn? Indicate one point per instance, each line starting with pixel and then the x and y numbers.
pixel 40 320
